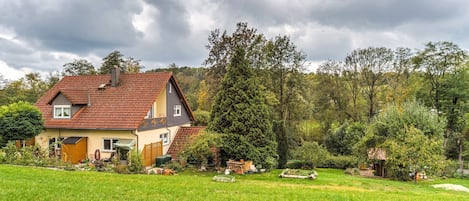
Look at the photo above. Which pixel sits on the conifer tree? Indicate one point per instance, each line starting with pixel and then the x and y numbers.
pixel 239 112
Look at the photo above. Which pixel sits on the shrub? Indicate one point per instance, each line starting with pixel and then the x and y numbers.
pixel 201 117
pixel 294 164
pixel 121 169
pixel 340 162
pixel 448 168
pixel 311 153
pixel 200 150
pixel 135 162
pixel 173 165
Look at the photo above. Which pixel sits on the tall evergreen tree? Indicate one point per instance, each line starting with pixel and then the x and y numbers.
pixel 239 112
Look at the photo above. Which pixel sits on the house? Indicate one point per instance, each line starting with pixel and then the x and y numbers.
pixel 99 113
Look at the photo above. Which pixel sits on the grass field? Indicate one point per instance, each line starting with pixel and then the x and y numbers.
pixel 30 183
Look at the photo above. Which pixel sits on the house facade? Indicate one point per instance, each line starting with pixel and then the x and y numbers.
pixel 99 113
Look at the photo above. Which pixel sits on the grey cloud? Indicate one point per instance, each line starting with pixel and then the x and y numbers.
pixel 77 26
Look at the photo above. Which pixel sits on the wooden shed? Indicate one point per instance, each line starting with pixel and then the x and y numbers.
pixel 378 155
pixel 74 149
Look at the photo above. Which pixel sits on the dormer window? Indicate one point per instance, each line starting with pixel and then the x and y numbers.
pixel 62 111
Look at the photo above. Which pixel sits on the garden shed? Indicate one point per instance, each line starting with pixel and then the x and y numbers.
pixel 378 156
pixel 74 149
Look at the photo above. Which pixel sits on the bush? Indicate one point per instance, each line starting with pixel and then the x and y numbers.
pixel 294 164
pixel 201 117
pixel 135 162
pixel 448 168
pixel 200 150
pixel 121 169
pixel 312 154
pixel 173 165
pixel 340 162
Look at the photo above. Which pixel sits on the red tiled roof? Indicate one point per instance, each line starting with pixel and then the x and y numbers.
pixel 75 96
pixel 182 138
pixel 122 108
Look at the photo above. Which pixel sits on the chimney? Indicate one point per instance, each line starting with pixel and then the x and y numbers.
pixel 115 74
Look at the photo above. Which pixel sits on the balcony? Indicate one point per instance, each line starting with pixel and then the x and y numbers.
pixel 153 123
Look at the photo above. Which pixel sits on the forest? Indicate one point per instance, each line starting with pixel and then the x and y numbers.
pixel 374 97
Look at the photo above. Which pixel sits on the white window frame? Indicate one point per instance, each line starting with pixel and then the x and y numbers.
pixel 112 141
pixel 170 88
pixel 165 138
pixel 177 110
pixel 62 107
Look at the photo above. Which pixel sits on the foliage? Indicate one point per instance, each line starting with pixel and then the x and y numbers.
pixel 411 135
pixel 135 161
pixel 311 153
pixel 28 89
pixel 173 165
pixel 116 59
pixel 201 117
pixel 201 148
pixel 371 63
pixel 19 121
pixel 343 139
pixel 78 67
pixel 239 111
pixel 340 162
pixel 30 155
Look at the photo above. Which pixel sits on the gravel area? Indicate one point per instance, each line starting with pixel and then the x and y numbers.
pixel 453 187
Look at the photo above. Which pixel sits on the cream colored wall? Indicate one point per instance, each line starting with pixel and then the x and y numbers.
pixel 147 137
pixel 161 104
pixel 95 138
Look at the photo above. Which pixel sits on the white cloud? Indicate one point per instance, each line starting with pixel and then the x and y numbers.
pixel 12 73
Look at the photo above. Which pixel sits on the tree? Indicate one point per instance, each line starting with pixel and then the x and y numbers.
pixel 19 121
pixel 441 62
pixel 399 79
pixel 371 64
pixel 283 75
pixel 239 111
pixel 132 65
pixel 343 139
pixel 311 154
pixel 222 47
pixel 437 60
pixel 114 58
pixel 78 67
pixel 412 136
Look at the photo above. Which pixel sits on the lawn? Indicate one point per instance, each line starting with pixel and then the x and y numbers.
pixel 30 183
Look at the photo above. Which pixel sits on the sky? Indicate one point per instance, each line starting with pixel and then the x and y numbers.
pixel 42 35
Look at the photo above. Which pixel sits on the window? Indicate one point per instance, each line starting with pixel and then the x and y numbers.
pixel 177 110
pixel 62 111
pixel 169 90
pixel 165 138
pixel 149 114
pixel 108 144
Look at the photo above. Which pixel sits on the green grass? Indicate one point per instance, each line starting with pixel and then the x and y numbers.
pixel 29 183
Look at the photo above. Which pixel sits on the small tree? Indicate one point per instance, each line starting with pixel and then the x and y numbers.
pixel 311 154
pixel 19 121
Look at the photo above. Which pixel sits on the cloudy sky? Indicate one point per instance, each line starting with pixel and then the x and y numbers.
pixel 42 35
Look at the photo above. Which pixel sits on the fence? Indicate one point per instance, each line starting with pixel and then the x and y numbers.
pixel 151 151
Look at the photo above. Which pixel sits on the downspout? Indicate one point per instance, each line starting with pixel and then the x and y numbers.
pixel 132 132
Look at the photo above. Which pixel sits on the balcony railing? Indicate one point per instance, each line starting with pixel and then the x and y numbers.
pixel 153 123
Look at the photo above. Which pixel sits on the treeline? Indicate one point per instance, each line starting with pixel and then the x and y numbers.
pixel 333 106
